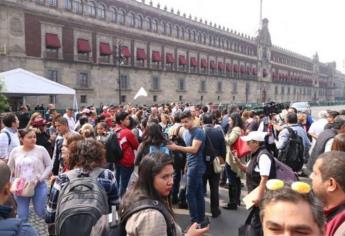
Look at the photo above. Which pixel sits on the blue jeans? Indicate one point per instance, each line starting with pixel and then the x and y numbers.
pixel 176 185
pixel 123 174
pixel 195 198
pixel 39 201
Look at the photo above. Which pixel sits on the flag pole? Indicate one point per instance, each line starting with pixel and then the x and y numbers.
pixel 260 12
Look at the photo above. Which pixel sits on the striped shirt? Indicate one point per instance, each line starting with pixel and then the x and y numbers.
pixel 106 179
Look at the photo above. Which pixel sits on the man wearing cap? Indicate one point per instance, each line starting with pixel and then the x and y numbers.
pixel 259 169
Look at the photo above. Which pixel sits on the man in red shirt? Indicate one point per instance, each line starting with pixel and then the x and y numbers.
pixel 329 185
pixel 128 143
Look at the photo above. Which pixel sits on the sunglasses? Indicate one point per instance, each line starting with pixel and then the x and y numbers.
pixel 298 186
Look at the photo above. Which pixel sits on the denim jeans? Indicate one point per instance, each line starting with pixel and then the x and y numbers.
pixel 176 185
pixel 39 201
pixel 123 174
pixel 195 197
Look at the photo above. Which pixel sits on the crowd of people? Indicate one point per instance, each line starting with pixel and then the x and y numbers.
pixel 137 164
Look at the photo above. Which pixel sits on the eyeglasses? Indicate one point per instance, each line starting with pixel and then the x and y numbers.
pixel 298 186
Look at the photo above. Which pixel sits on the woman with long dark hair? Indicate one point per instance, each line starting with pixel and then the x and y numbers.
pixel 153 137
pixel 154 183
pixel 232 171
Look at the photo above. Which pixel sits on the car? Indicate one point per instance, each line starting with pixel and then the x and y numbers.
pixel 302 107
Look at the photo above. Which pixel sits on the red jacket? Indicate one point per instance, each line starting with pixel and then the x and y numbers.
pixel 334 221
pixel 128 143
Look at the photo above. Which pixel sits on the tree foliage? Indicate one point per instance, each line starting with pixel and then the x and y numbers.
pixel 3 99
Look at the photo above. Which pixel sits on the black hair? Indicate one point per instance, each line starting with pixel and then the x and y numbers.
pixel 291 118
pixel 177 117
pixel 150 166
pixel 121 116
pixel 186 114
pixel 237 120
pixel 207 118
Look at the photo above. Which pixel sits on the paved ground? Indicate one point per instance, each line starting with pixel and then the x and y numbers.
pixel 226 224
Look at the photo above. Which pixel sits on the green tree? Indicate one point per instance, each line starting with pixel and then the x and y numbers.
pixel 3 99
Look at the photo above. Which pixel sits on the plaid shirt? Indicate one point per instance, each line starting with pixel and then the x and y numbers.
pixel 106 179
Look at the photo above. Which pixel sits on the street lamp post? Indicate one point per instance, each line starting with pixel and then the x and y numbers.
pixel 119 60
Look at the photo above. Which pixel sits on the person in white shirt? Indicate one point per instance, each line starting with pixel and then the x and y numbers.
pixel 318 126
pixel 9 135
pixel 70 118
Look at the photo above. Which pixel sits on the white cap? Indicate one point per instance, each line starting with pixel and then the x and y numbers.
pixel 255 135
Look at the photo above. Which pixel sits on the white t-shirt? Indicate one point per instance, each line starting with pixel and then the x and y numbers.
pixel 71 122
pixel 264 165
pixel 317 127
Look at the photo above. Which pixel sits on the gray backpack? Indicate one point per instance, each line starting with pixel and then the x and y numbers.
pixel 82 201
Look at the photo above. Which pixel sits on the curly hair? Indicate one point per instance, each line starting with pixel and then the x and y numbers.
pixel 86 154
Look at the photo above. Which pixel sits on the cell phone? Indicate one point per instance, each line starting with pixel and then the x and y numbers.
pixel 204 223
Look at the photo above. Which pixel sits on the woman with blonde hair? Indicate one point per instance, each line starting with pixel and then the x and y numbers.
pixel 34 117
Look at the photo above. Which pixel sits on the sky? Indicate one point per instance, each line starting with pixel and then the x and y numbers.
pixel 301 26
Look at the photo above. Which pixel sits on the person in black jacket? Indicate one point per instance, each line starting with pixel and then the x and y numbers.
pixel 216 136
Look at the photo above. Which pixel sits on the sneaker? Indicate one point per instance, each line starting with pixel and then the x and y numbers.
pixel 230 206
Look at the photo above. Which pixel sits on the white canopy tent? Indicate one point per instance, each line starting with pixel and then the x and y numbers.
pixel 19 82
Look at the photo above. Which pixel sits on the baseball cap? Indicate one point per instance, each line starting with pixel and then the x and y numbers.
pixel 255 135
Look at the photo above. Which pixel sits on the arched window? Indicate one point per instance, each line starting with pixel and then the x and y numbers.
pixel 139 22
pixel 210 40
pixel 91 8
pixel 189 35
pixel 194 36
pixel 199 38
pixel 121 17
pixel 77 7
pixel 148 24
pixel 227 44
pixel 182 33
pixel 155 25
pixel 101 11
pixel 131 19
pixel 113 13
pixel 177 31
pixel 170 29
pixel 68 4
pixel 204 39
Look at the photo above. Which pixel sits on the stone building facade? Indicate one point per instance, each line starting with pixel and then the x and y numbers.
pixel 108 49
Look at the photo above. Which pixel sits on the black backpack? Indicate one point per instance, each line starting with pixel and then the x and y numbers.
pixel 209 151
pixel 179 157
pixel 293 152
pixel 113 148
pixel 82 201
pixel 113 225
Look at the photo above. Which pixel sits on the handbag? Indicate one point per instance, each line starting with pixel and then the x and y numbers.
pixel 250 228
pixel 241 147
pixel 218 164
pixel 23 188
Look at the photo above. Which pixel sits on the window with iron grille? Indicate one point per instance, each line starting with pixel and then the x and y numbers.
pixel 234 87
pixel 155 83
pixel 53 75
pixel 181 85
pixel 124 82
pixel 203 86
pixel 219 86
pixel 83 99
pixel 83 80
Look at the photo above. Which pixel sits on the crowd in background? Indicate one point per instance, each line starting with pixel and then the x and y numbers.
pixel 169 153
